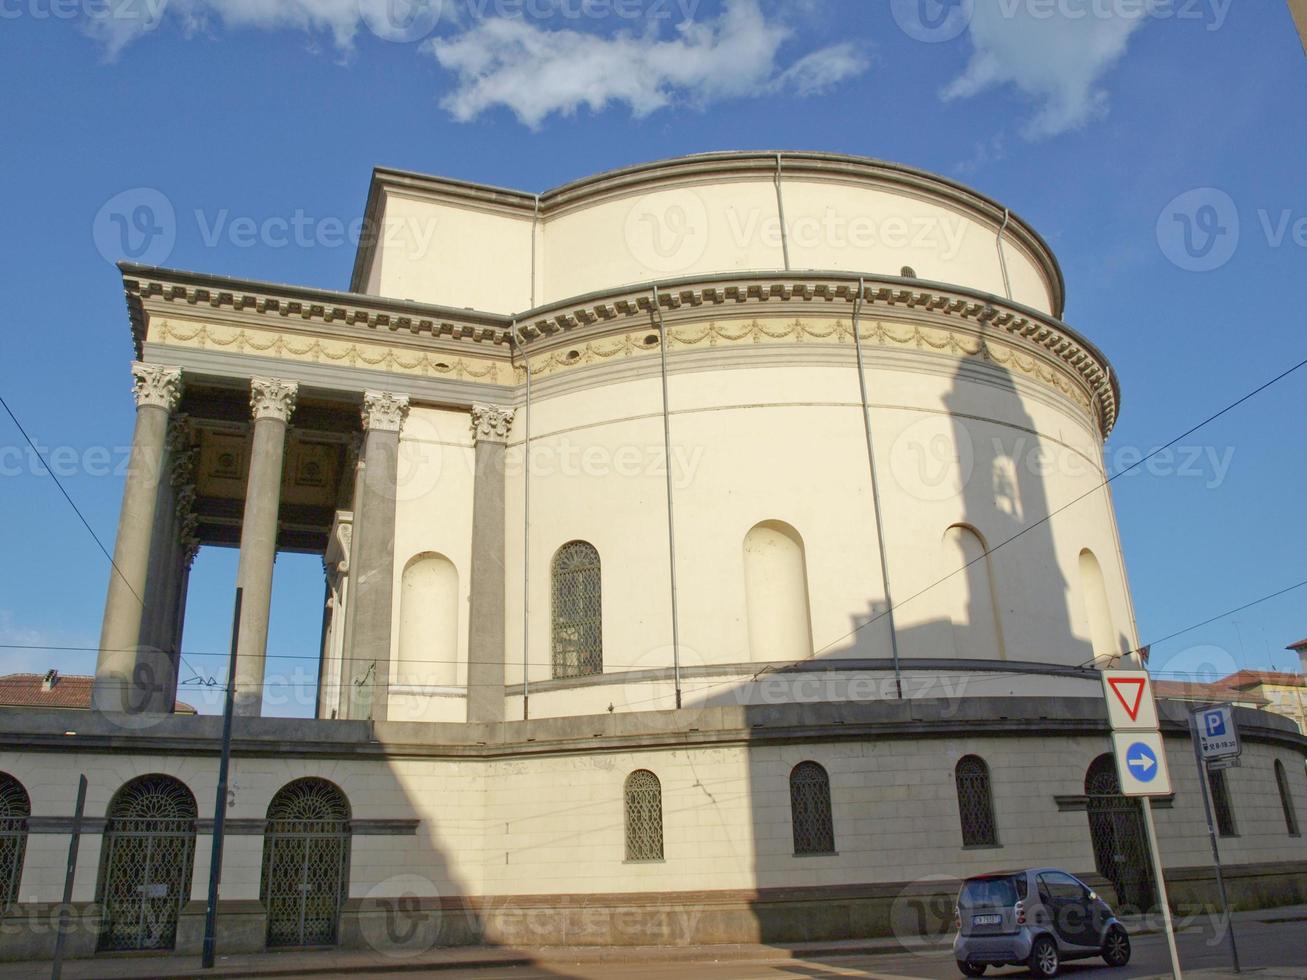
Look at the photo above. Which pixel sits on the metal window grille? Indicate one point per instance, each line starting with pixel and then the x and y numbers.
pixel 578 643
pixel 15 808
pixel 305 863
pixel 810 810
pixel 1286 799
pixel 1222 805
pixel 644 817
pixel 1116 828
pixel 976 803
pixel 145 871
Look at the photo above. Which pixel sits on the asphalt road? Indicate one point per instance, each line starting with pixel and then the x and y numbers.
pixel 1261 944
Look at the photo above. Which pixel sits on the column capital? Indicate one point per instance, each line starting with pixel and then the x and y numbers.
pixel 272 398
pixel 384 411
pixel 157 385
pixel 490 423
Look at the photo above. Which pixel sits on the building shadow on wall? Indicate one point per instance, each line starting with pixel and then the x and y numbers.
pixel 868 809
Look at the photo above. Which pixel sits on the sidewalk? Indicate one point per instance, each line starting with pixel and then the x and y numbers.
pixel 338 962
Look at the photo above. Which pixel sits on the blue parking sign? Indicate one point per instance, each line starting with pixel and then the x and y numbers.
pixel 1214 723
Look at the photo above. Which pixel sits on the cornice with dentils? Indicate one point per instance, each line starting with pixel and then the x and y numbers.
pixel 724 165
pixel 495 335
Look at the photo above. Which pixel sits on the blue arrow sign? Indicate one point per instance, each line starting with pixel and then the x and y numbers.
pixel 1142 762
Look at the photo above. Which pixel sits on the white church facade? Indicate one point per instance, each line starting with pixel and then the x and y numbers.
pixel 716 550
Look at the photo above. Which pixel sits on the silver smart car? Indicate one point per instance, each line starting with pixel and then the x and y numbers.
pixel 1037 918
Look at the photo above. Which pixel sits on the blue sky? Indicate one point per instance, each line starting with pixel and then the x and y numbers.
pixel 1089 120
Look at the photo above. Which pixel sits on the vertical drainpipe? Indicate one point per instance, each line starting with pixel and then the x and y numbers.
pixel 1002 257
pixel 671 513
pixel 526 529
pixel 875 489
pixel 780 210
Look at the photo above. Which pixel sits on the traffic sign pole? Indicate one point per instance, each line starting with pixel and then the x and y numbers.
pixel 1151 828
pixel 1211 833
pixel 1141 766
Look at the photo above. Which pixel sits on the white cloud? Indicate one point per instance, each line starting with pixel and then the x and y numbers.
pixel 1054 56
pixel 535 72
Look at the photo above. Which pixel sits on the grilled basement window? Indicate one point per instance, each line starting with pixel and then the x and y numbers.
pixel 578 640
pixel 976 803
pixel 1286 800
pixel 15 808
pixel 810 810
pixel 644 817
pixel 1221 804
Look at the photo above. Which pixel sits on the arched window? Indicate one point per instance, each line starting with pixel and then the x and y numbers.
pixel 810 810
pixel 428 622
pixel 977 633
pixel 146 860
pixel 1286 799
pixel 305 863
pixel 1102 634
pixel 776 589
pixel 976 803
pixel 1222 805
pixel 15 808
pixel 578 622
pixel 644 817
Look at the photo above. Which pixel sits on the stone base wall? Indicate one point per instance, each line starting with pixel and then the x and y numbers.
pixel 916 913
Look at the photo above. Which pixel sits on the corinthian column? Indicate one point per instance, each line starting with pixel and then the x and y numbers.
pixel 366 673
pixel 272 402
pixel 485 669
pixel 119 684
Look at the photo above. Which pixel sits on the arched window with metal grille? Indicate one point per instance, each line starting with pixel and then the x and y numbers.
pixel 975 802
pixel 306 863
pixel 810 810
pixel 146 862
pixel 1286 800
pixel 577 613
pixel 644 816
pixel 1222 805
pixel 15 808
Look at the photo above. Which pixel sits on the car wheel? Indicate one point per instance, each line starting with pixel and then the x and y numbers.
pixel 1116 947
pixel 971 969
pixel 1044 959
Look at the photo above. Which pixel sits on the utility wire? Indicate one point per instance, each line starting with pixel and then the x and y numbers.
pixel 80 516
pixel 1048 517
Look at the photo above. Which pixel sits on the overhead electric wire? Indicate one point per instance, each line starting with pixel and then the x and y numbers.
pixel 80 516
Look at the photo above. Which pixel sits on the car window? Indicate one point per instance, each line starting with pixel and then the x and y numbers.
pixel 1057 885
pixel 988 893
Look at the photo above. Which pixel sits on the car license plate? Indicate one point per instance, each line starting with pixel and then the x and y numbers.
pixel 986 920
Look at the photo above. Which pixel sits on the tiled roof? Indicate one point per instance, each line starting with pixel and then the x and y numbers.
pixel 1251 678
pixel 67 691
pixel 1202 691
pixel 1300 645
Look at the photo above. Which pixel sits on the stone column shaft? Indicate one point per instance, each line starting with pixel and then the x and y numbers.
pixel 485 669
pixel 119 685
pixel 366 674
pixel 273 402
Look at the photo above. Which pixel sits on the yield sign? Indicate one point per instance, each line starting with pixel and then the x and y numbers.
pixel 1130 704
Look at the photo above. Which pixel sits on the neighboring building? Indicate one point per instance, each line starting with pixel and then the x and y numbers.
pixel 55 690
pixel 1201 692
pixel 581 700
pixel 1285 694
pixel 1300 648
